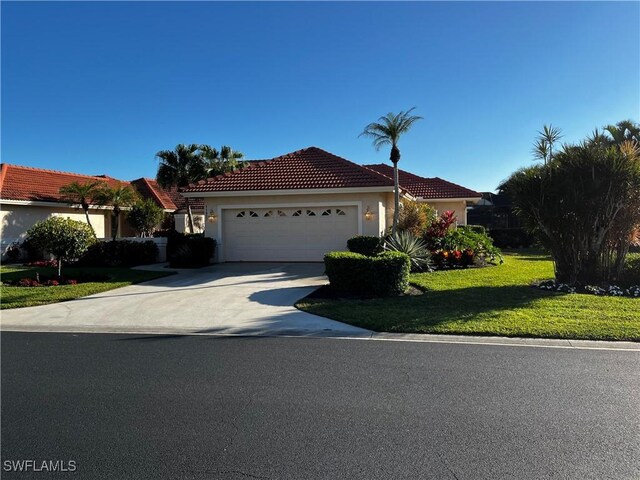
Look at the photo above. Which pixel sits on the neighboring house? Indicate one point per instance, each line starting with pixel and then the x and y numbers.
pixel 181 220
pixel 29 195
pixel 299 206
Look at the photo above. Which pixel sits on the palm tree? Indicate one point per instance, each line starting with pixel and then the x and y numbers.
pixel 626 130
pixel 180 168
pixel 221 161
pixel 117 197
pixel 387 131
pixel 543 148
pixel 81 193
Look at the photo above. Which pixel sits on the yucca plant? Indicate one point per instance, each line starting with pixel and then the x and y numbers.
pixel 413 247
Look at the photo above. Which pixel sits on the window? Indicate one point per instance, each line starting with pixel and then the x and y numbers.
pixel 340 212
pixel 297 213
pixel 252 214
pixel 326 213
pixel 268 213
pixel 281 213
pixel 311 213
pixel 240 214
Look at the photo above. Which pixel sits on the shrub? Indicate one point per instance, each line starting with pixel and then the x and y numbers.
pixel 194 251
pixel 438 229
pixel 13 253
pixel 631 272
pixel 475 244
pixel 64 238
pixel 368 245
pixel 145 216
pixel 415 217
pixel 120 253
pixel 511 237
pixel 381 275
pixel 413 247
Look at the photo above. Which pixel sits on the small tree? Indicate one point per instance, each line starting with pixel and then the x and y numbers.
pixel 81 193
pixel 118 197
pixel 145 216
pixel 64 238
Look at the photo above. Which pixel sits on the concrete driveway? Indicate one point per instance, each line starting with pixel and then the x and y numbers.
pixel 244 299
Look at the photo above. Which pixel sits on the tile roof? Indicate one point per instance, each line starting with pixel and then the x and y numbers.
pixel 149 188
pixel 37 184
pixel 309 168
pixel 197 204
pixel 422 187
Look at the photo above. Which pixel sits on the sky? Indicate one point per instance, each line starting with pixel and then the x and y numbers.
pixel 100 87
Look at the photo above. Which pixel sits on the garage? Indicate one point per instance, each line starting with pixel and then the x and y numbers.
pixel 295 233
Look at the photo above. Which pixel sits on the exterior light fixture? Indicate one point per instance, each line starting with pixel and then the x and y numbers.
pixel 212 218
pixel 368 215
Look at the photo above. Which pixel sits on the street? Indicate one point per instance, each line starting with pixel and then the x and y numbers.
pixel 214 407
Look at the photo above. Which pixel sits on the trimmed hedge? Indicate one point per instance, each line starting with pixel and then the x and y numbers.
pixel 368 245
pixel 119 253
pixel 381 275
pixel 191 251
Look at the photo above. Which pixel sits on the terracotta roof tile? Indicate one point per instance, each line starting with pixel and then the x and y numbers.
pixel 149 188
pixel 423 187
pixel 197 204
pixel 304 169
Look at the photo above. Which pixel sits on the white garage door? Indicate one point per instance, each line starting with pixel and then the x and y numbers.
pixel 292 234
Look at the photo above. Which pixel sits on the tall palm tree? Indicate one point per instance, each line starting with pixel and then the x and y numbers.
pixel 221 161
pixel 81 193
pixel 387 131
pixel 117 197
pixel 179 168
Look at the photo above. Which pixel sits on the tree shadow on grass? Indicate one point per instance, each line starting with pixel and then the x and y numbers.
pixel 413 313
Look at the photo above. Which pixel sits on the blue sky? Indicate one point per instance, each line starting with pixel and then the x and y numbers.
pixel 101 87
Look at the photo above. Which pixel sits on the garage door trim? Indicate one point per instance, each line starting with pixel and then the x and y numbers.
pixel 357 204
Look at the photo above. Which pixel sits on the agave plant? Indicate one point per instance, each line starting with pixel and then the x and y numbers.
pixel 412 246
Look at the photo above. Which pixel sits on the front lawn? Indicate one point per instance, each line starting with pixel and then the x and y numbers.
pixel 490 301
pixel 14 297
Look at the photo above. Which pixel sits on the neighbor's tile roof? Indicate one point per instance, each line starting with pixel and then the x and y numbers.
pixel 309 168
pixel 422 187
pixel 197 204
pixel 149 188
pixel 37 184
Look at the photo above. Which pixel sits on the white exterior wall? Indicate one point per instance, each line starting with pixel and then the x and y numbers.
pixel 376 202
pixel 17 219
pixel 182 222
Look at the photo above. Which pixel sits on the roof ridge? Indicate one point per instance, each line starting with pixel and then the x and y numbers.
pixel 362 167
pixel 456 185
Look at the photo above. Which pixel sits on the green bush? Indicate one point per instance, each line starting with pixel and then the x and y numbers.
pixel 191 251
pixel 631 270
pixel 145 216
pixel 63 238
pixel 467 239
pixel 120 253
pixel 368 245
pixel 381 275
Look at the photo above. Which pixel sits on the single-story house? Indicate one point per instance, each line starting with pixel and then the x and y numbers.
pixel 298 206
pixel 29 195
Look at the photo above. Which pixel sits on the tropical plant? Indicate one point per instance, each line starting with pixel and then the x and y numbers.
pixel 118 197
pixel 543 147
pixel 414 247
pixel 478 244
pixel 415 217
pixel 583 206
pixel 179 168
pixel 145 216
pixel 438 229
pixel 626 130
pixel 387 131
pixel 63 238
pixel 82 194
pixel 221 161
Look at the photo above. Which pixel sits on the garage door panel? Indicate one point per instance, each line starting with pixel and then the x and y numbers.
pixel 286 234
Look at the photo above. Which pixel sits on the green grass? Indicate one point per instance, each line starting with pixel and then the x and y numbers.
pixel 15 297
pixel 491 301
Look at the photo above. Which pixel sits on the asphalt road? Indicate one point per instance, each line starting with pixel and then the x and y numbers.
pixel 301 408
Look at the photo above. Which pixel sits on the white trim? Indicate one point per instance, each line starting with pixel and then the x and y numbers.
pixel 219 239
pixel 302 191
pixel 37 203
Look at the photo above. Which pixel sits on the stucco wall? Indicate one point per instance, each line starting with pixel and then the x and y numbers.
pixel 376 202
pixel 459 207
pixel 182 222
pixel 17 219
